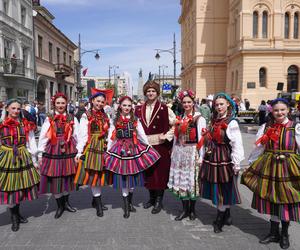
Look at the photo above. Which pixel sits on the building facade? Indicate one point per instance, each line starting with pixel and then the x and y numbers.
pixel 252 49
pixel 54 58
pixel 17 76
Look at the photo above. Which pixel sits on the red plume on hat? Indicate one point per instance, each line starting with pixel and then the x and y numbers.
pixel 108 93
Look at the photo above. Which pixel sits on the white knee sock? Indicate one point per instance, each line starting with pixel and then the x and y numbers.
pixel 125 192
pixel 96 191
pixel 222 208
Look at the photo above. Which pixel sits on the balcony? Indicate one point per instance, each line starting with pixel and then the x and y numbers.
pixel 12 67
pixel 62 70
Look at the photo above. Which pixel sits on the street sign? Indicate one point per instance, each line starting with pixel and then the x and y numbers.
pixel 167 88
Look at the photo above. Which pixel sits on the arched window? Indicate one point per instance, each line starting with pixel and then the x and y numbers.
pixel 265 24
pixel 293 78
pixel 296 25
pixel 286 25
pixel 262 77
pixel 255 24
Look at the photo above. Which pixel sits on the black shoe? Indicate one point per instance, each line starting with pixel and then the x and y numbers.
pixel 158 202
pixel 60 207
pixel 104 208
pixel 185 213
pixel 219 222
pixel 15 224
pixel 151 202
pixel 126 207
pixel 20 217
pixel 131 207
pixel 192 210
pixel 273 236
pixel 284 238
pixel 227 217
pixel 98 207
pixel 68 207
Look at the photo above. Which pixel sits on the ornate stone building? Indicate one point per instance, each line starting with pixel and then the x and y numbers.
pixel 248 47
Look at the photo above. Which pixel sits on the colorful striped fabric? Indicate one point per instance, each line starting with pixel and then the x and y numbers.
pixel 274 177
pixel 128 181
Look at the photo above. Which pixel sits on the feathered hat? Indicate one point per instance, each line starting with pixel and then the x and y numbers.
pixel 151 84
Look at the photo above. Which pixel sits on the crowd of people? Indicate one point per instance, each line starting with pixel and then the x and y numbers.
pixel 193 152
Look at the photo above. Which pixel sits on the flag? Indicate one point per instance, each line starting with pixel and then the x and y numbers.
pixel 84 71
pixel 108 92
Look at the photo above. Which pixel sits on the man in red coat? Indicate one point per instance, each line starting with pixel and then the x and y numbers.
pixel 157 120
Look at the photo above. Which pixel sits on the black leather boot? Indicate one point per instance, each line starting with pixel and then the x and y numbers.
pixel 60 207
pixel 151 201
pixel 131 207
pixel 104 208
pixel 158 202
pixel 227 217
pixel 126 207
pixel 274 235
pixel 68 207
pixel 21 218
pixel 192 210
pixel 185 213
pixel 284 238
pixel 219 222
pixel 15 225
pixel 98 207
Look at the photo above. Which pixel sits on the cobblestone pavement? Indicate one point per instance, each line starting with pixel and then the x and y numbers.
pixel 84 230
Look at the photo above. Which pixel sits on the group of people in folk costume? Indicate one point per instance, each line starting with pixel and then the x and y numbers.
pixel 151 147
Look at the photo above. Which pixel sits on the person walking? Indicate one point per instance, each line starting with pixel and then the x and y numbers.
pixel 262 112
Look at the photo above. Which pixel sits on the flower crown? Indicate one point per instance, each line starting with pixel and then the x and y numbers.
pixel 185 93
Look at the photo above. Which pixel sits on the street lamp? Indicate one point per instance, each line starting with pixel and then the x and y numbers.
pixel 171 51
pixel 114 67
pixel 81 52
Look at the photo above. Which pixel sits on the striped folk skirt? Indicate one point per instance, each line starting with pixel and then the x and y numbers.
pixel 19 179
pixel 217 181
pixel 91 166
pixel 275 183
pixel 58 167
pixel 184 172
pixel 127 161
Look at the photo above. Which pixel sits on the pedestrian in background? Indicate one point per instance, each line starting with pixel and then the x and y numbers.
pixel 185 158
pixel 128 153
pixel 57 151
pixel 92 144
pixel 221 161
pixel 19 177
pixel 262 112
pixel 274 173
pixel 205 110
pixel 247 104
pixel 41 113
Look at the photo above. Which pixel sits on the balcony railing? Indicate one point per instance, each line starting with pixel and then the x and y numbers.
pixel 63 70
pixel 12 66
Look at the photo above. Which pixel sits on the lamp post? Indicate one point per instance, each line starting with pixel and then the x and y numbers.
pixel 161 67
pixel 113 67
pixel 171 51
pixel 81 52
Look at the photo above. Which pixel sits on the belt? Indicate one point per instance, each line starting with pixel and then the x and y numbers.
pixel 154 139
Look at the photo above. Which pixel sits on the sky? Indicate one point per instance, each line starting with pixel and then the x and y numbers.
pixel 126 32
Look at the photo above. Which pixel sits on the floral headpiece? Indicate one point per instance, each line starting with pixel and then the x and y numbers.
pixel 121 99
pixel 190 93
pixel 57 95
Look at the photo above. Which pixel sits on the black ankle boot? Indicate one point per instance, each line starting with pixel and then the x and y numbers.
pixel 131 207
pixel 192 210
pixel 227 217
pixel 158 202
pixel 60 207
pixel 15 225
pixel 98 207
pixel 126 207
pixel 219 222
pixel 151 201
pixel 284 238
pixel 21 218
pixel 185 212
pixel 68 207
pixel 94 205
pixel 274 235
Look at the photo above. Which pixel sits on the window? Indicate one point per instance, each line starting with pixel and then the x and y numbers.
pixel 40 46
pixel 265 25
pixel 286 25
pixel 262 77
pixel 59 87
pixel 65 57
pixel 50 52
pixel 70 61
pixel 57 55
pixel 5 7
pixel 66 89
pixel 255 24
pixel 71 92
pixel 23 15
pixel 7 48
pixel 296 25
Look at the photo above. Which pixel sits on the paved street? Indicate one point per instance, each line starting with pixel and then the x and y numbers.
pixel 83 230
